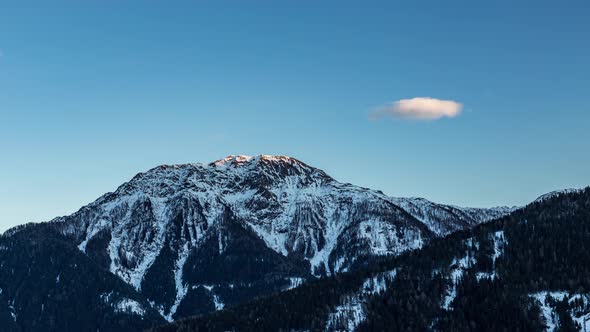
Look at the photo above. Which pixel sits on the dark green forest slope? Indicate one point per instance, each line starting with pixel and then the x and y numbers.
pixel 48 284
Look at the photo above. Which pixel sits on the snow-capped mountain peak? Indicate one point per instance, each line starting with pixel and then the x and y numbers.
pixel 241 160
pixel 233 160
pixel 167 219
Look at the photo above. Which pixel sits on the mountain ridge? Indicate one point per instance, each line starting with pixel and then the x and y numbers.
pixel 164 229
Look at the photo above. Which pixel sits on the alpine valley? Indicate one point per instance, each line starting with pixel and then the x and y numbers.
pixel 222 240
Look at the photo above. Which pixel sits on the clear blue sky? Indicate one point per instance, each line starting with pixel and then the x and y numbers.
pixel 92 92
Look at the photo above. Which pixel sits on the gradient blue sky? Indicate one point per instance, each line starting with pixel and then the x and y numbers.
pixel 92 92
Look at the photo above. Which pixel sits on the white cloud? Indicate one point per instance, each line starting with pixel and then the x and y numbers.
pixel 419 108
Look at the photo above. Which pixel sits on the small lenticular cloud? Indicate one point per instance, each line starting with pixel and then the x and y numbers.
pixel 420 108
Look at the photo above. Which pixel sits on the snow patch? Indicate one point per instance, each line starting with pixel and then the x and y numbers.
pixel 93 229
pixel 499 245
pixel 295 282
pixel 458 267
pixel 349 314
pixel 217 302
pixel 383 239
pixel 128 305
pixel 181 287
pixel 12 310
pixel 124 305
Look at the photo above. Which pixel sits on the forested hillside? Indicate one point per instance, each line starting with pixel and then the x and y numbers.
pixel 47 284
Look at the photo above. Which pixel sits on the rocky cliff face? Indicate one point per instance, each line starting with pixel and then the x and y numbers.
pixel 193 238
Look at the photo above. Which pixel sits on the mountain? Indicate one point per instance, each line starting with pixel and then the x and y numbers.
pixel 179 234
pixel 528 271
pixel 195 238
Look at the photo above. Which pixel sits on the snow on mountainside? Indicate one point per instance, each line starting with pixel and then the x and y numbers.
pixel 175 228
pixel 444 219
pixel 556 193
